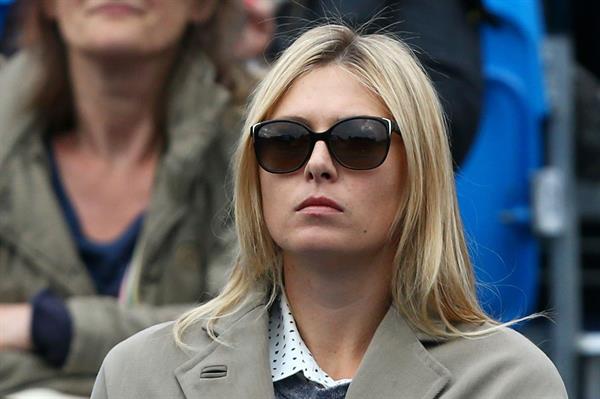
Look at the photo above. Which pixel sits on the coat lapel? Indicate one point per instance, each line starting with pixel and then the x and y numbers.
pixel 239 370
pixel 397 365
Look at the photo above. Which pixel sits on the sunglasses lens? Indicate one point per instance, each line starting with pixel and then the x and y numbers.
pixel 281 147
pixel 360 143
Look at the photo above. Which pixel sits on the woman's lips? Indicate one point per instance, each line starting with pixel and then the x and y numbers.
pixel 319 205
pixel 116 8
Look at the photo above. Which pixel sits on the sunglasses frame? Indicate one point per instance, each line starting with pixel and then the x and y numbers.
pixel 325 136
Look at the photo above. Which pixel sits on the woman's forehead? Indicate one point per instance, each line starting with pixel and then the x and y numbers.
pixel 327 94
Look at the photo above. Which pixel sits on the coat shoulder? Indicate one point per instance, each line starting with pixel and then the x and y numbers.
pixel 500 363
pixel 151 364
pixel 141 348
pixel 154 345
pixel 145 364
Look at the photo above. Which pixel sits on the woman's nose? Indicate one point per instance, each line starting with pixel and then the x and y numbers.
pixel 321 165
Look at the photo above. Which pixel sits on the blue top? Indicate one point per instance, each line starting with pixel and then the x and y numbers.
pixel 106 263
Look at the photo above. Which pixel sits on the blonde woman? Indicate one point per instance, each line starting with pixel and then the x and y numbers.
pixel 353 278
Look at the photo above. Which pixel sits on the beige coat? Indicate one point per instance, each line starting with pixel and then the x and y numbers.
pixel 397 364
pixel 180 254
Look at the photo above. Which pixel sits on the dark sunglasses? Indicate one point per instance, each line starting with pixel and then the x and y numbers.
pixel 359 143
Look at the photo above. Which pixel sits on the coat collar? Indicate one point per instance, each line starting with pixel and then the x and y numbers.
pixel 239 369
pixel 396 364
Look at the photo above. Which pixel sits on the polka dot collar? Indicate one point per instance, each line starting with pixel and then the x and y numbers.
pixel 288 354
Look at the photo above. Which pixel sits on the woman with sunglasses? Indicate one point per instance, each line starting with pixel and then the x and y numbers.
pixel 353 279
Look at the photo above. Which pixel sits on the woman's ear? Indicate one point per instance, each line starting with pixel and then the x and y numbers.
pixel 202 11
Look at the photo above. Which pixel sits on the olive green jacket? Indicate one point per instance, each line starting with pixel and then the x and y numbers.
pixel 183 247
pixel 398 363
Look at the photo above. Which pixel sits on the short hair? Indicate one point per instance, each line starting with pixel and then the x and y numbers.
pixel 433 284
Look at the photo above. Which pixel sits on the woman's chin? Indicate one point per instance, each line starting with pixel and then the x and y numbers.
pixel 323 250
pixel 115 50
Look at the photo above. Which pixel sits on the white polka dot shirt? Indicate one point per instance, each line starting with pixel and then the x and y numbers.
pixel 288 354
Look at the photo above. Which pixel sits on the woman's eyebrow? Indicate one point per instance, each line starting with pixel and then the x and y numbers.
pixel 295 118
pixel 307 122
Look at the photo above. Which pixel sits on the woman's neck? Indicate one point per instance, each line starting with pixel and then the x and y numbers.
pixel 116 104
pixel 338 307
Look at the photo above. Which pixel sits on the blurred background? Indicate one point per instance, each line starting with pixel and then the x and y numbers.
pixel 520 84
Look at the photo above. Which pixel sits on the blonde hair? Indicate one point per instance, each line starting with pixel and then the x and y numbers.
pixel 433 284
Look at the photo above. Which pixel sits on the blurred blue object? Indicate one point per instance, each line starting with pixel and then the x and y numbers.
pixel 494 183
pixel 4 6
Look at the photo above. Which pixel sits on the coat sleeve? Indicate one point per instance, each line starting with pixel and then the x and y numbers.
pixel 99 323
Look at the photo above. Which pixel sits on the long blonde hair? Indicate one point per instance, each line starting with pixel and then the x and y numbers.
pixel 433 284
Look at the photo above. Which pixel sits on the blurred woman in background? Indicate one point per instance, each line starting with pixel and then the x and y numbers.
pixel 115 122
